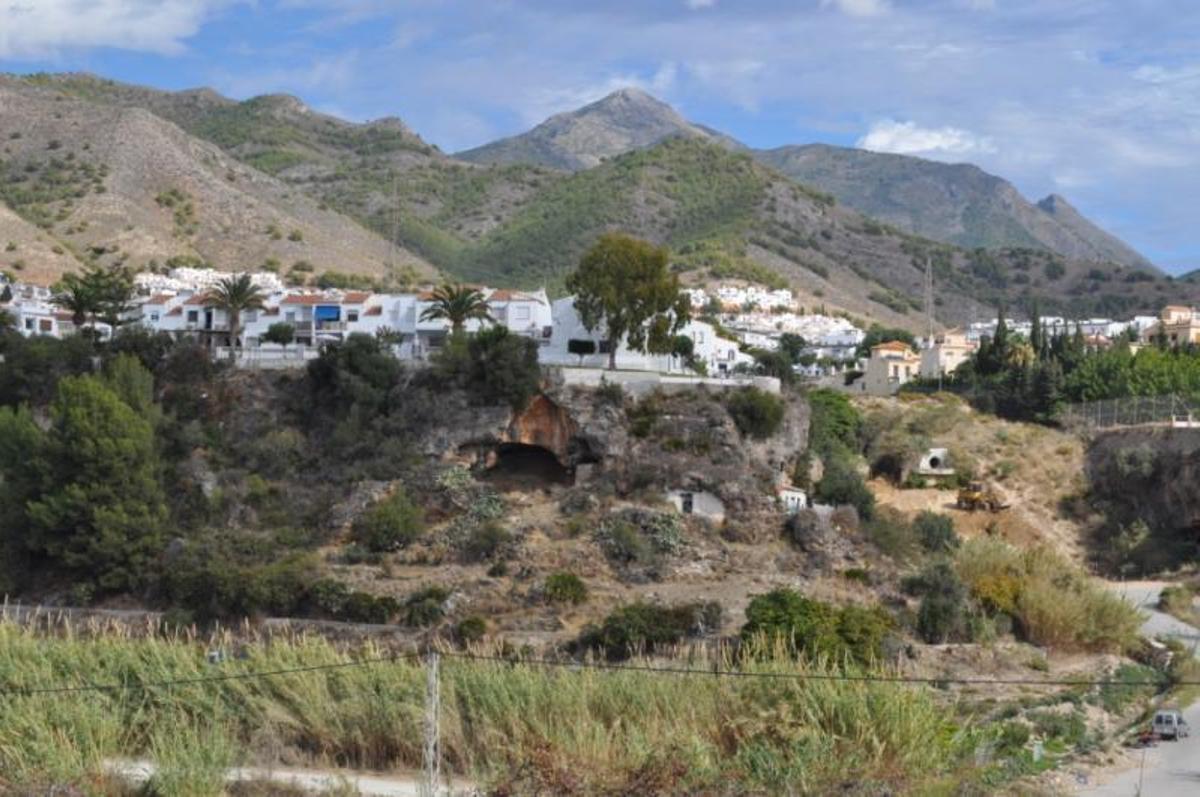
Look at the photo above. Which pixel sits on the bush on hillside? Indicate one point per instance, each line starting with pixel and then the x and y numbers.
pixel 1051 600
pixel 425 607
pixel 942 616
pixel 391 524
pixel 643 628
pixel 815 629
pixel 936 532
pixel 834 423
pixel 756 413
pixel 565 588
pixel 842 484
pixel 494 366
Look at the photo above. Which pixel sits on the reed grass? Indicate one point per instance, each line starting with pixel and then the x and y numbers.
pixel 519 724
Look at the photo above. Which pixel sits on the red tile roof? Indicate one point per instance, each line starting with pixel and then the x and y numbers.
pixel 893 345
pixel 201 298
pixel 307 298
pixel 355 297
pixel 160 298
pixel 374 310
pixel 506 295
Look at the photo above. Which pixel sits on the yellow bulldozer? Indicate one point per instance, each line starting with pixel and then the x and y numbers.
pixel 978 495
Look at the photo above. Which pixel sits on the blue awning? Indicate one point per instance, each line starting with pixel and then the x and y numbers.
pixel 327 312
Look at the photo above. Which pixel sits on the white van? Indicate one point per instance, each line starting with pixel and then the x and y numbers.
pixel 1170 724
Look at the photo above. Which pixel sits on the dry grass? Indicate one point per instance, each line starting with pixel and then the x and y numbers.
pixel 1054 602
pixel 524 725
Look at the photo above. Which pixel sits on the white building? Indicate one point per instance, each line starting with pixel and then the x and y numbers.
pixel 571 343
pixel 891 365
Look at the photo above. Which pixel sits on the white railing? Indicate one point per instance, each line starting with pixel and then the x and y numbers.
pixel 270 359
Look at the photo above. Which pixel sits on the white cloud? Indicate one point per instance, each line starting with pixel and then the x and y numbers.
pixel 859 8
pixel 907 138
pixel 44 28
pixel 696 5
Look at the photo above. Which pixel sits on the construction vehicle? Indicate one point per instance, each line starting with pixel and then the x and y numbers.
pixel 977 495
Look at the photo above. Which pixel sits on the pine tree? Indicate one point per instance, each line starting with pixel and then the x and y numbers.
pixel 1037 338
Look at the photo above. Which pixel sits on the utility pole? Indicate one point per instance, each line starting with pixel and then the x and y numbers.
pixel 433 751
pixel 937 364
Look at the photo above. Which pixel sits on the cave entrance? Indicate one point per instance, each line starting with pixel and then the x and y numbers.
pixel 521 467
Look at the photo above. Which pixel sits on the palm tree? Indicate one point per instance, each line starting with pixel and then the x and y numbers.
pixel 458 304
pixel 235 295
pixel 77 295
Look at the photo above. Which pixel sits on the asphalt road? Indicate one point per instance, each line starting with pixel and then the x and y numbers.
pixel 1172 769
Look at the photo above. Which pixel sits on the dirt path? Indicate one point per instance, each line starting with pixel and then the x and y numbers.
pixel 313 780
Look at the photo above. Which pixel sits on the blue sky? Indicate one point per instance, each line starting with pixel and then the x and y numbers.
pixel 1098 100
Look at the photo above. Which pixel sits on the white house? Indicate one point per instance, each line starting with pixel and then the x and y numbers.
pixel 571 343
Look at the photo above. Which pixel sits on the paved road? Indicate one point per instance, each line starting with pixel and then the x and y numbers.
pixel 1172 768
pixel 1144 595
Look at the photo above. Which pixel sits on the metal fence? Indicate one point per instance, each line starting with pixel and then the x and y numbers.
pixel 1167 411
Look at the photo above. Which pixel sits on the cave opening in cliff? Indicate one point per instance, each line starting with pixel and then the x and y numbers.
pixel 521 467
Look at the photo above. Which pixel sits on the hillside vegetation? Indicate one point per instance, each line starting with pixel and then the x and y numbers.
pixel 87 182
pixel 724 214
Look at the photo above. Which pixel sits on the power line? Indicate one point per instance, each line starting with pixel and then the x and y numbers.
pixel 599 666
pixel 894 679
pixel 235 676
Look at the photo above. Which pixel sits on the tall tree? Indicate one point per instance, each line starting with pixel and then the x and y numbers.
pixel 624 285
pixel 1037 337
pixel 113 291
pixel 458 304
pixel 235 295
pixel 100 509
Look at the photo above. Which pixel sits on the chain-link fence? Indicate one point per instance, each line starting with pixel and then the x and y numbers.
pixel 1172 410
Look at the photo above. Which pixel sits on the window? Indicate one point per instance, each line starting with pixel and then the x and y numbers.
pixel 289 316
pixel 193 316
pixel 351 315
pixel 251 316
pixel 154 316
pixel 605 347
pixel 29 323
pixel 45 326
pixel 520 313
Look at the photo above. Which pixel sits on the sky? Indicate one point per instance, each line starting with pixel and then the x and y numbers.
pixel 1097 100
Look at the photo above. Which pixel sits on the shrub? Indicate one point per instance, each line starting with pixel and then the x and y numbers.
pixel 280 332
pixel 1053 602
pixel 425 607
pixel 390 524
pixel 486 541
pixel 834 422
pixel 892 534
pixel 565 588
pixel 935 532
pixel 470 630
pixel 942 616
pixel 493 365
pixel 756 413
pixel 642 628
pixel 363 607
pixel 815 629
pixel 638 536
pixel 842 484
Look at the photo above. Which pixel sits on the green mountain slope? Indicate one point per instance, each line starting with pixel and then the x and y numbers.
pixel 723 213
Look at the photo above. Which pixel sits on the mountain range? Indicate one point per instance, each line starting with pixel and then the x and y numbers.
pixel 98 171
